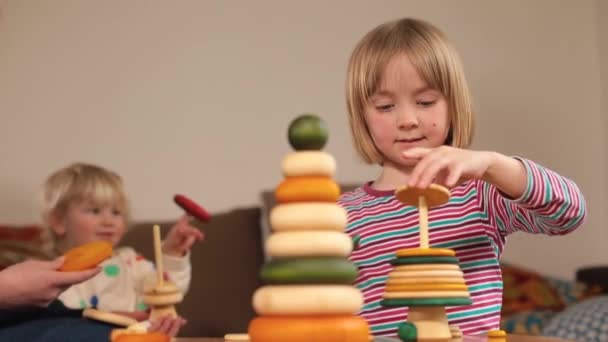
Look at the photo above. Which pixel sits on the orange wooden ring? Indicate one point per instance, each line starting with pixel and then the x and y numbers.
pixel 409 252
pixel 426 287
pixel 309 328
pixel 433 280
pixel 86 256
pixel 142 337
pixel 307 188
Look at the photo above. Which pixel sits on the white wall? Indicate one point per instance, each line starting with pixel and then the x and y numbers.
pixel 195 96
pixel 602 17
pixel 542 101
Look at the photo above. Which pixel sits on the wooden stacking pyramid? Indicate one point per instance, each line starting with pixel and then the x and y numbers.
pixel 308 293
pixel 425 279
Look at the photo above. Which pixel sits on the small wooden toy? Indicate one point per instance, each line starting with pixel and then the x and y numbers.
pixel 127 336
pixel 162 298
pixel 108 317
pixel 86 256
pixel 191 207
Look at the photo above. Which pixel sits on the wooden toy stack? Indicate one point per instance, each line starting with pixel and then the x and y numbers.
pixel 163 297
pixel 308 293
pixel 425 279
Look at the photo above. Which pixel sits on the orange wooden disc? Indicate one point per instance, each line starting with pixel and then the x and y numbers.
pixel 497 334
pixel 86 256
pixel 408 252
pixel 305 189
pixel 431 280
pixel 435 195
pixel 142 337
pixel 425 287
pixel 309 328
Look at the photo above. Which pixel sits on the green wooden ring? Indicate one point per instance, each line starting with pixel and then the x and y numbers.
pixel 326 270
pixel 424 260
pixel 446 301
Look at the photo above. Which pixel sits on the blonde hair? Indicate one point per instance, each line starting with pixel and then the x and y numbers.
pixel 434 59
pixel 82 182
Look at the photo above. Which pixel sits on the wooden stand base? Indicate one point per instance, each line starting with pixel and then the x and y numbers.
pixel 431 323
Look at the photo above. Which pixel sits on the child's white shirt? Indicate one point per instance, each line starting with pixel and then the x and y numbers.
pixel 121 283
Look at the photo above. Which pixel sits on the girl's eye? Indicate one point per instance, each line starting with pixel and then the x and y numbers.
pixel 95 210
pixel 116 212
pixel 385 108
pixel 426 103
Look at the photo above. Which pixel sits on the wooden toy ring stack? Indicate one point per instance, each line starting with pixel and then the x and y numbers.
pixel 308 293
pixel 162 298
pixel 138 332
pixel 108 317
pixel 425 279
pixel 434 195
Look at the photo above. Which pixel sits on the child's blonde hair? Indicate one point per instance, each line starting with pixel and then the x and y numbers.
pixel 82 182
pixel 435 60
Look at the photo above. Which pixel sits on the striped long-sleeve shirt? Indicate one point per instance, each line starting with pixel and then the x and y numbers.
pixel 474 223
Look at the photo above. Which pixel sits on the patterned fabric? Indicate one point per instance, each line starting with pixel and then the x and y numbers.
pixel 585 321
pixel 527 322
pixel 123 280
pixel 474 223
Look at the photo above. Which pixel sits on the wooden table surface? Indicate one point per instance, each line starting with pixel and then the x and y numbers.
pixel 510 338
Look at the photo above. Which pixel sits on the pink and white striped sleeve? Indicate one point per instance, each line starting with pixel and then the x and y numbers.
pixel 551 204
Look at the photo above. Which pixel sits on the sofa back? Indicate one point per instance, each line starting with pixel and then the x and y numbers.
pixel 225 268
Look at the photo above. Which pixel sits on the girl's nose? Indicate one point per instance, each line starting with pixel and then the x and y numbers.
pixel 407 118
pixel 108 218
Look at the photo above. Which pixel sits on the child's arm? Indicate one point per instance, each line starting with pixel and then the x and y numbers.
pixel 517 194
pixel 549 204
pixel 181 237
pixel 178 270
pixel 176 257
pixel 176 251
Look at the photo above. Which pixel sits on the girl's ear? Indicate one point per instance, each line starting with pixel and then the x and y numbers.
pixel 56 223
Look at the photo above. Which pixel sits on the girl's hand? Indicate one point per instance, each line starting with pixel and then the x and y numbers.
pixel 181 237
pixel 167 325
pixel 139 316
pixel 447 165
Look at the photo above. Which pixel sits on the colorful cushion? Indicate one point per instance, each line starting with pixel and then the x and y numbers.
pixel 18 243
pixel 574 292
pixel 525 290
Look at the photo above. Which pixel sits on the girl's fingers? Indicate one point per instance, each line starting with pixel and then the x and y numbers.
pixel 187 243
pixel 421 168
pixel 174 327
pixel 165 324
pixel 453 176
pixel 431 172
pixel 416 152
